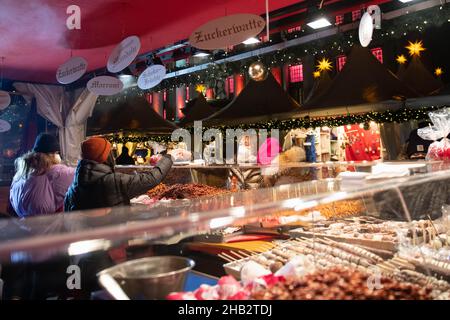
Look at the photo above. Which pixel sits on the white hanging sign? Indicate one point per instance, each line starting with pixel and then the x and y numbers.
pixel 151 76
pixel 105 86
pixel 71 70
pixel 4 126
pixel 226 31
pixel 123 54
pixel 365 29
pixel 5 99
pixel 375 12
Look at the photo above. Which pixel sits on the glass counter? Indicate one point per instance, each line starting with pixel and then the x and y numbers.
pixel 388 219
pixel 252 176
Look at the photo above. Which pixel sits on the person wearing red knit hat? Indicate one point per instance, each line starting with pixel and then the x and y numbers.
pixel 97 185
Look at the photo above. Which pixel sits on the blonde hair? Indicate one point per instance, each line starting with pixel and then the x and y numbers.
pixel 33 164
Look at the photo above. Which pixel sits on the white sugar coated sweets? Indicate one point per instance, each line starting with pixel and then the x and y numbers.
pixel 437 244
pixel 252 270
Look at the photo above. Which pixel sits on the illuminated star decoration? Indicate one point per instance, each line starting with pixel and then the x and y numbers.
pixel 415 48
pixel 316 74
pixel 438 72
pixel 200 88
pixel 324 65
pixel 401 59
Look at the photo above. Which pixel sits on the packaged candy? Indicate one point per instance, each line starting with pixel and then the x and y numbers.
pixel 438 150
pixel 240 295
pixel 180 155
pixel 206 292
pixel 228 287
pixel 181 296
pixel 252 270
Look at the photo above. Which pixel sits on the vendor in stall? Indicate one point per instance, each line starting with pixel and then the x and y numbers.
pixel 97 185
pixel 417 147
pixel 125 158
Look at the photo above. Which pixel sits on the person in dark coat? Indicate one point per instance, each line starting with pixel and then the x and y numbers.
pixel 125 158
pixel 417 147
pixel 97 185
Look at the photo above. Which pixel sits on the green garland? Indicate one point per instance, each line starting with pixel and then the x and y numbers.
pixel 392 31
pixel 388 116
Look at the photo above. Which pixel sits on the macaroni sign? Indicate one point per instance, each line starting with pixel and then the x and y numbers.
pixel 105 85
pixel 227 31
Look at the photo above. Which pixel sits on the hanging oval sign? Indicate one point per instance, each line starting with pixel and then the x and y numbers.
pixel 226 31
pixel 365 29
pixel 71 70
pixel 105 86
pixel 4 126
pixel 5 99
pixel 151 76
pixel 123 54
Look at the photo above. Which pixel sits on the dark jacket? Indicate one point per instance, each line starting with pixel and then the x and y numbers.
pixel 417 144
pixel 96 185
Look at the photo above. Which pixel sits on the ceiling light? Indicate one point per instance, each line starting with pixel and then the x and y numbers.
pixel 405 1
pixel 127 80
pixel 251 41
pixel 172 48
pixel 201 54
pixel 319 23
pixel 125 77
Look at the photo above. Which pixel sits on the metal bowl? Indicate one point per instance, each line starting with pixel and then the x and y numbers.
pixel 149 278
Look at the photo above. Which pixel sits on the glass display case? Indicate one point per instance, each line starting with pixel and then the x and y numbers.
pixel 393 233
pixel 272 175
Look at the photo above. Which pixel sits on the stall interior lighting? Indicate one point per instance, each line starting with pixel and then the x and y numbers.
pixel 319 23
pixel 251 41
pixel 201 54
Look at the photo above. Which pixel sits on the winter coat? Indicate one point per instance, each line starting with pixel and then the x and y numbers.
pixel 43 194
pixel 96 185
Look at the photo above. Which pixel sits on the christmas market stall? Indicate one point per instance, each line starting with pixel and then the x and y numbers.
pixel 198 109
pixel 225 150
pixel 363 85
pixel 262 99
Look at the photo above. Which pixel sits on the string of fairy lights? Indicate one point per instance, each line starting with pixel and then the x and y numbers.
pixel 324 65
pixel 392 30
pixel 388 116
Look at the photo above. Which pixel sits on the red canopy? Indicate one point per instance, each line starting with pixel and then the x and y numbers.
pixel 35 39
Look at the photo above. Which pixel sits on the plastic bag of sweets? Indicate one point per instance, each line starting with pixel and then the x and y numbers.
pixel 440 148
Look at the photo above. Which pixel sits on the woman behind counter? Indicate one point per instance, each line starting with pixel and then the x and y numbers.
pixel 125 158
pixel 97 185
pixel 41 181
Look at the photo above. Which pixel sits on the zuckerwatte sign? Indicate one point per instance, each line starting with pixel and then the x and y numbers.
pixel 227 31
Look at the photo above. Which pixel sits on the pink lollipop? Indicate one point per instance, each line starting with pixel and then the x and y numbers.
pixel 268 151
